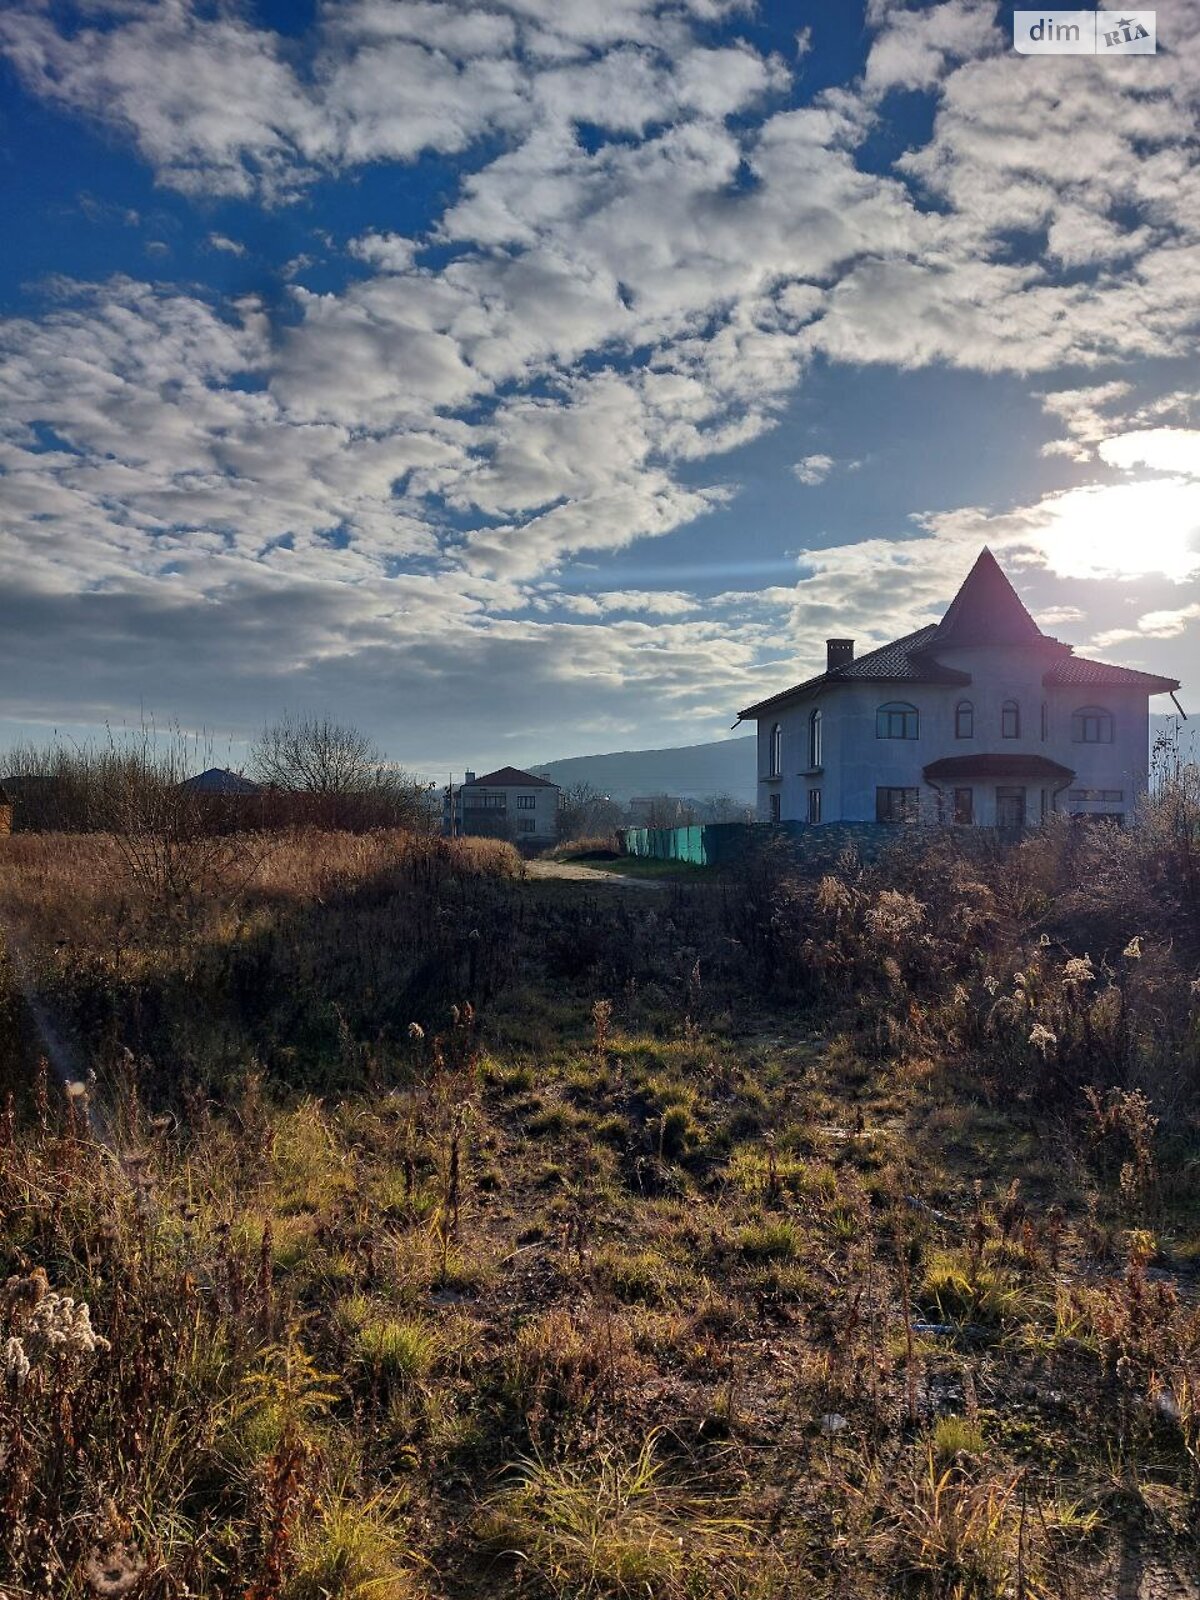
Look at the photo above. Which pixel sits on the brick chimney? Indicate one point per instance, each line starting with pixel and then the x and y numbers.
pixel 838 653
pixel 469 777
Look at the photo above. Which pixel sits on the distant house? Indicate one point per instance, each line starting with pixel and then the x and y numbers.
pixel 220 780
pixel 658 810
pixel 979 718
pixel 505 804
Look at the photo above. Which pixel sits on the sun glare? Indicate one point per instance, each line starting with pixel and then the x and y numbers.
pixel 1126 530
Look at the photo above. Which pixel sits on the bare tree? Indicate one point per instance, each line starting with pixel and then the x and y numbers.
pixel 583 812
pixel 314 755
pixel 724 808
pixel 343 771
pixel 162 826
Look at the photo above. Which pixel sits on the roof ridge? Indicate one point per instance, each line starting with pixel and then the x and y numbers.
pixel 904 651
pixel 905 638
pixel 510 774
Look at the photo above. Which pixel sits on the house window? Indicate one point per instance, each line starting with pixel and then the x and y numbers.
pixel 776 751
pixel 897 720
pixel 814 805
pixel 897 805
pixel 1010 720
pixel 1091 725
pixel 485 800
pixel 964 805
pixel 814 739
pixel 773 802
pixel 527 802
pixel 964 720
pixel 526 824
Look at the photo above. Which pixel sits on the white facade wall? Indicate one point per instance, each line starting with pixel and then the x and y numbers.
pixel 1124 764
pixel 544 814
pixel 855 762
pixel 508 821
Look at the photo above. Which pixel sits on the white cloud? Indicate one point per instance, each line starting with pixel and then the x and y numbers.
pixel 1123 530
pixel 220 106
pixel 648 602
pixel 391 252
pixel 398 461
pixel 1081 412
pixel 1162 449
pixel 914 48
pixel 222 241
pixel 813 469
pixel 1151 625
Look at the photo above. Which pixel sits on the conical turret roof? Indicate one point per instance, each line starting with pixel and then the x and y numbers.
pixel 986 610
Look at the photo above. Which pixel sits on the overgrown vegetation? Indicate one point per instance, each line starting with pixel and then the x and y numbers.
pixel 407 1228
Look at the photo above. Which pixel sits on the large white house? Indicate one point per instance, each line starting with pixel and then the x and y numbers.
pixel 979 718
pixel 505 804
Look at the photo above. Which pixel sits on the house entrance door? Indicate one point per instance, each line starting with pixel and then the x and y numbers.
pixel 1010 808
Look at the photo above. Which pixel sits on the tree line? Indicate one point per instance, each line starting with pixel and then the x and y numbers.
pixel 302 769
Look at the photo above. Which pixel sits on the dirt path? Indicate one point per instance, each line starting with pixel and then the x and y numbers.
pixel 576 872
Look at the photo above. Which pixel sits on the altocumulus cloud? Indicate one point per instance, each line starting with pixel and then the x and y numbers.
pixel 365 494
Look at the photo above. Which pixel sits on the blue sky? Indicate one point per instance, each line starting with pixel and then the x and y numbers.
pixel 526 379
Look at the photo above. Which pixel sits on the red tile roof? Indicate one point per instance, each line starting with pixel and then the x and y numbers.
pixel 511 778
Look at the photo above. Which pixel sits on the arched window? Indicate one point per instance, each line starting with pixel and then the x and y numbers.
pixel 1091 725
pixel 964 720
pixel 814 738
pixel 776 750
pixel 897 720
pixel 1010 720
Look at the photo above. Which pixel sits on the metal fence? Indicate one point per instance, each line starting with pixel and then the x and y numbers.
pixel 714 844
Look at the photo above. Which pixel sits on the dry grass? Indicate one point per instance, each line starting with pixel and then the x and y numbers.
pixel 451 1235
pixel 615 1525
pixel 603 844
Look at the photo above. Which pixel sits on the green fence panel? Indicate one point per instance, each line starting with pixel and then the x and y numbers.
pixel 711 844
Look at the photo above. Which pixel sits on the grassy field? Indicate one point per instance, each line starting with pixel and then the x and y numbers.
pixel 443 1233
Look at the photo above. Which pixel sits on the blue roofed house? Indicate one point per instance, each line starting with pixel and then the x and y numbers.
pixel 979 718
pixel 220 780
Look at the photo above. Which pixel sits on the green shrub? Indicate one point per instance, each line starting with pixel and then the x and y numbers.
pixel 401 1352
